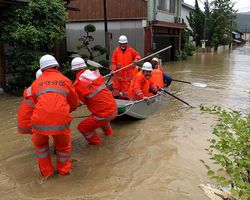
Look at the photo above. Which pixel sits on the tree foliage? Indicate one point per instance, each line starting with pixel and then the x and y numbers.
pixel 86 41
pixel 196 21
pixel 31 32
pixel 230 151
pixel 208 26
pixel 223 16
pixel 215 24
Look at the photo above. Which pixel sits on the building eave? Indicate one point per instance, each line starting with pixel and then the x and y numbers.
pixel 168 24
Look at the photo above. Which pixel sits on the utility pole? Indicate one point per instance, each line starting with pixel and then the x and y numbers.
pixel 203 42
pixel 106 28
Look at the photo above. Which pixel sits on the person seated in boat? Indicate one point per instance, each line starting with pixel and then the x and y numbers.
pixel 157 69
pixel 141 84
pixel 92 91
pixel 123 56
pixel 136 70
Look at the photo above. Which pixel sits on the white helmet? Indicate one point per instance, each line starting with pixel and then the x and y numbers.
pixel 123 39
pixel 78 63
pixel 147 66
pixel 48 61
pixel 155 59
pixel 38 73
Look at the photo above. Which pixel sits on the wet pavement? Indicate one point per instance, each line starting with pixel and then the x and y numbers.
pixel 156 158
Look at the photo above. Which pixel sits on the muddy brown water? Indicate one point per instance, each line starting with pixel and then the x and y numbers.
pixel 155 158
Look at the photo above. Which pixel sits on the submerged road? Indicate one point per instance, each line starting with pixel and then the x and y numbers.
pixel 156 158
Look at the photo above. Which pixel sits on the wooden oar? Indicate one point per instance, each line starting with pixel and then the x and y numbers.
pixel 176 97
pixel 151 55
pixel 96 64
pixel 203 85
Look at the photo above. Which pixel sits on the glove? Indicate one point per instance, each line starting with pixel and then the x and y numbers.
pixel 135 61
pixel 158 92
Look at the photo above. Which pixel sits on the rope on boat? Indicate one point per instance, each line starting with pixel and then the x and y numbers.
pixel 127 110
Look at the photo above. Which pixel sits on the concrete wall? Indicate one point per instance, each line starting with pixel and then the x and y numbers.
pixel 211 50
pixel 133 29
pixel 246 36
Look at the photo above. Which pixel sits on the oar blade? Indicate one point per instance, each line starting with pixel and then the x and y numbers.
pixel 94 64
pixel 202 85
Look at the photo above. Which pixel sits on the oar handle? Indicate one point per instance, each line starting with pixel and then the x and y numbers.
pixel 176 97
pixel 188 82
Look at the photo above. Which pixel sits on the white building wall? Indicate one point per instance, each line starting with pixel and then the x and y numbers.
pixel 184 13
pixel 154 14
pixel 133 29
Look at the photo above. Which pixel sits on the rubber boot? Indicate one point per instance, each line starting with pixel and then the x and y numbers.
pixel 93 139
pixel 107 129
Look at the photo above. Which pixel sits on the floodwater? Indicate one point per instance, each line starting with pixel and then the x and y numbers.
pixel 156 158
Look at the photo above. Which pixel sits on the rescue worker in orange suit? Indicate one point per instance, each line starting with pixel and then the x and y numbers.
pixel 141 84
pixel 92 91
pixel 123 55
pixel 54 98
pixel 25 111
pixel 156 73
pixel 136 70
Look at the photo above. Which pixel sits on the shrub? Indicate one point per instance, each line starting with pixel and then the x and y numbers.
pixel 230 150
pixel 180 55
pixel 189 49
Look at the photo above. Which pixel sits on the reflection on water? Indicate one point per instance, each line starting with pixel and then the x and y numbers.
pixel 156 158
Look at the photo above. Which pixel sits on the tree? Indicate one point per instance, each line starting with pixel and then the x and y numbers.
pixel 86 39
pixel 196 20
pixel 31 32
pixel 223 20
pixel 208 29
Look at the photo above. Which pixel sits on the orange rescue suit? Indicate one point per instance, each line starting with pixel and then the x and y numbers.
pixel 54 97
pixel 157 77
pixel 24 114
pixel 140 86
pixel 121 80
pixel 100 102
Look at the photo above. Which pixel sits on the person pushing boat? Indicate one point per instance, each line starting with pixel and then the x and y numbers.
pixel 92 91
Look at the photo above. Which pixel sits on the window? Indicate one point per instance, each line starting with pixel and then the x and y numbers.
pixel 166 5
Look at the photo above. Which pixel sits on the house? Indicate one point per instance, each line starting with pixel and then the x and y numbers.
pixel 165 26
pixel 122 18
pixel 149 25
pixel 237 38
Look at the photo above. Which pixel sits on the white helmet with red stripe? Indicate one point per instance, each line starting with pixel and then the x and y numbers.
pixel 77 64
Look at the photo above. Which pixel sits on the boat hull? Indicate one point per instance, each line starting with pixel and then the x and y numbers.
pixel 140 109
